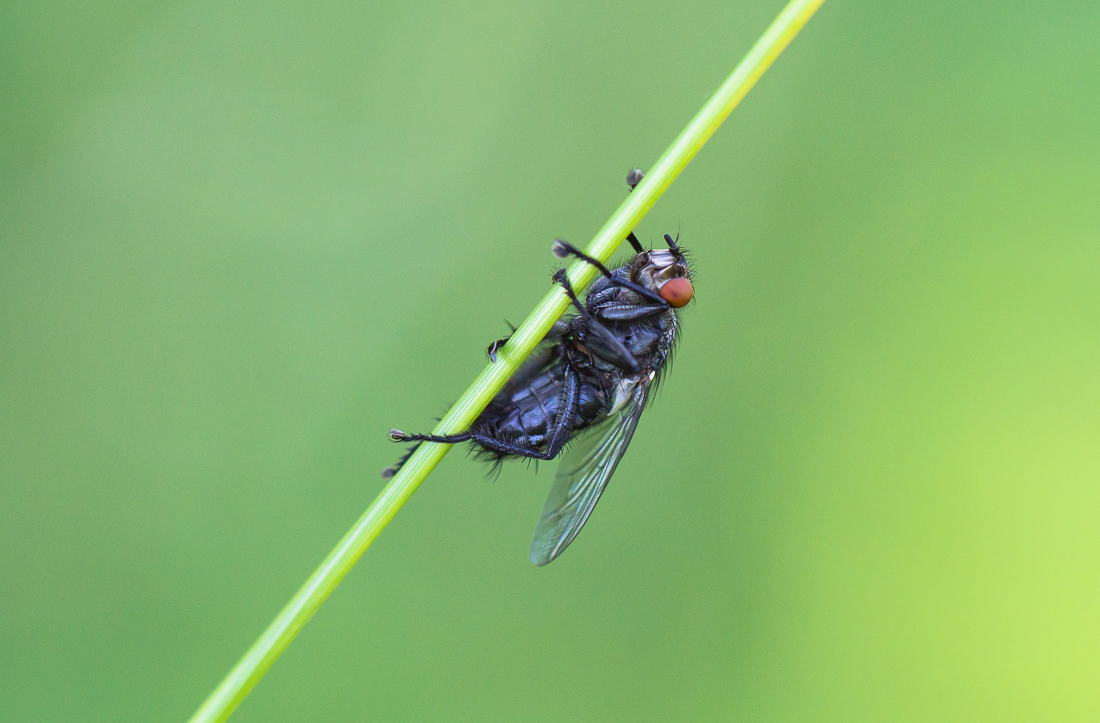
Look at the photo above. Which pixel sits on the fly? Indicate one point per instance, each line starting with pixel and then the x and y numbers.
pixel 585 385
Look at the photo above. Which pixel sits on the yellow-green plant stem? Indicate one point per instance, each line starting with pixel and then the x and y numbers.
pixel 321 583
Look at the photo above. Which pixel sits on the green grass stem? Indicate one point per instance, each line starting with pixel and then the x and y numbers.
pixel 248 671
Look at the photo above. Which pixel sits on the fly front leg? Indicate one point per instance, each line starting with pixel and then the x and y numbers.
pixel 560 277
pixel 564 249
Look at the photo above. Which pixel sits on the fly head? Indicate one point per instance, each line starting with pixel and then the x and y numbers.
pixel 666 272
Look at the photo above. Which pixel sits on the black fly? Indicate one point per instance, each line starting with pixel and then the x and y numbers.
pixel 586 384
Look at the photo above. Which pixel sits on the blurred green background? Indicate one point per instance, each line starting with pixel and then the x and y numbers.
pixel 240 242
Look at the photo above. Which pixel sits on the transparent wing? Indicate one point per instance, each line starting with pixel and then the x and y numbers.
pixel 582 476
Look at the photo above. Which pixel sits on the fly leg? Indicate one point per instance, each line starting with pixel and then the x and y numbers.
pixel 389 472
pixel 398 436
pixel 599 340
pixel 633 178
pixel 564 249
pixel 567 411
pixel 497 345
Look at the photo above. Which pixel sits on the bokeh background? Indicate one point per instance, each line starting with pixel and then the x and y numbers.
pixel 238 242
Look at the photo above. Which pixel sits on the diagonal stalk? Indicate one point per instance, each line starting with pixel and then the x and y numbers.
pixel 247 672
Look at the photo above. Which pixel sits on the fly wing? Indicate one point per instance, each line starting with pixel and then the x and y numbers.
pixel 582 476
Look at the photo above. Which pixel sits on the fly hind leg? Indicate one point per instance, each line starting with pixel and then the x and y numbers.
pixel 389 472
pixel 398 436
pixel 489 442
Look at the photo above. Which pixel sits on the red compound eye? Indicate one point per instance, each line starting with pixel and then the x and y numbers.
pixel 677 292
